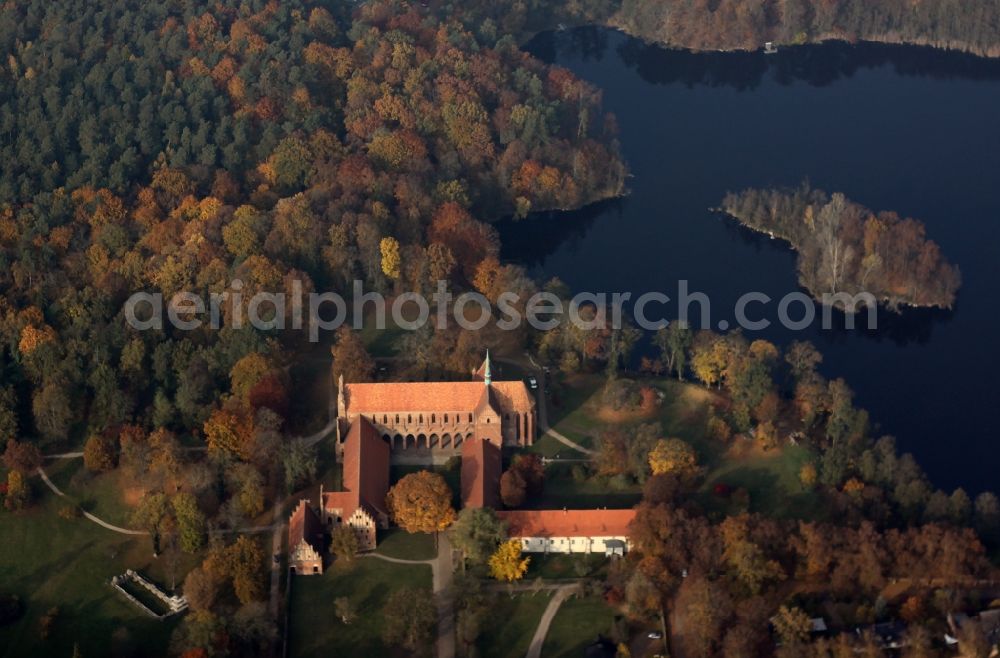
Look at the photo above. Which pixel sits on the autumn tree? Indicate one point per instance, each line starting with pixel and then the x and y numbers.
pixel 513 489
pixel 100 453
pixel 747 558
pixel 149 515
pixel 21 456
pixel 344 543
pixel 506 563
pixel 391 261
pixel 200 589
pixel 792 625
pixel 229 433
pixel 247 373
pixel 190 522
pixel 350 358
pixel 421 502
pixel 242 563
pixel 18 495
pixel 673 457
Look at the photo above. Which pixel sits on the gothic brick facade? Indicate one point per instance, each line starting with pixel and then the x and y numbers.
pixel 437 417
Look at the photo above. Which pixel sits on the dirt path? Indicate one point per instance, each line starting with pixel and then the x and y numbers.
pixel 562 593
pixel 442 573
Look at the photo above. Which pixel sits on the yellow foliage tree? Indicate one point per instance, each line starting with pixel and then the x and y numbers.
pixel 807 475
pixel 391 260
pixel 99 454
pixel 507 564
pixel 672 456
pixel 421 502
pixel 227 433
pixel 247 372
pixel 17 491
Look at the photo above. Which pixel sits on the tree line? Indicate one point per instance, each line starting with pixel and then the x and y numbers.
pixel 737 24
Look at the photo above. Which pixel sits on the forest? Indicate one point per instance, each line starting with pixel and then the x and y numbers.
pixel 181 146
pixel 845 247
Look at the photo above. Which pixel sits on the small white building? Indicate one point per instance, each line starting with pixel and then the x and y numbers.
pixel 570 531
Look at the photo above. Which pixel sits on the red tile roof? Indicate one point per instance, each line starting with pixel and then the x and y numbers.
pixel 481 465
pixel 304 525
pixel 434 396
pixel 366 471
pixel 568 523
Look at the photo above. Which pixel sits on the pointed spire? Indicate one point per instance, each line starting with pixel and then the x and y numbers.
pixel 487 373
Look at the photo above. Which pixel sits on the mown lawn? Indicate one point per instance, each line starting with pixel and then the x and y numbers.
pixel 398 543
pixel 314 629
pixel 771 478
pixel 576 625
pixel 512 625
pixel 101 494
pixel 49 561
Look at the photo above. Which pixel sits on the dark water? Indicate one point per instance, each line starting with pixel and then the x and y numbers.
pixel 894 128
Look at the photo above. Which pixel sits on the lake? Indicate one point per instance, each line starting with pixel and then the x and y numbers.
pixel 908 129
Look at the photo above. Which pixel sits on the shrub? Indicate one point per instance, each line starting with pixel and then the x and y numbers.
pixel 719 429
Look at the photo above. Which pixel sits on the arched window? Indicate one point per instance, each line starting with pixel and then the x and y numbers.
pixel 385 419
pixel 446 418
pixel 409 418
pixel 433 419
pixel 470 418
pixel 397 419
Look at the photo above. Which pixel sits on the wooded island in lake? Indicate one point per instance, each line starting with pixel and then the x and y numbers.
pixel 845 247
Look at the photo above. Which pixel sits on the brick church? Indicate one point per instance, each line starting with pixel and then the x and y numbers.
pixel 435 418
pixel 423 420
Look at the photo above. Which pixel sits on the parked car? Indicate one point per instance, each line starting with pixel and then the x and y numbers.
pixel 654 635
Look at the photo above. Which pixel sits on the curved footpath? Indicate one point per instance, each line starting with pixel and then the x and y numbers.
pixel 88 515
pixel 563 592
